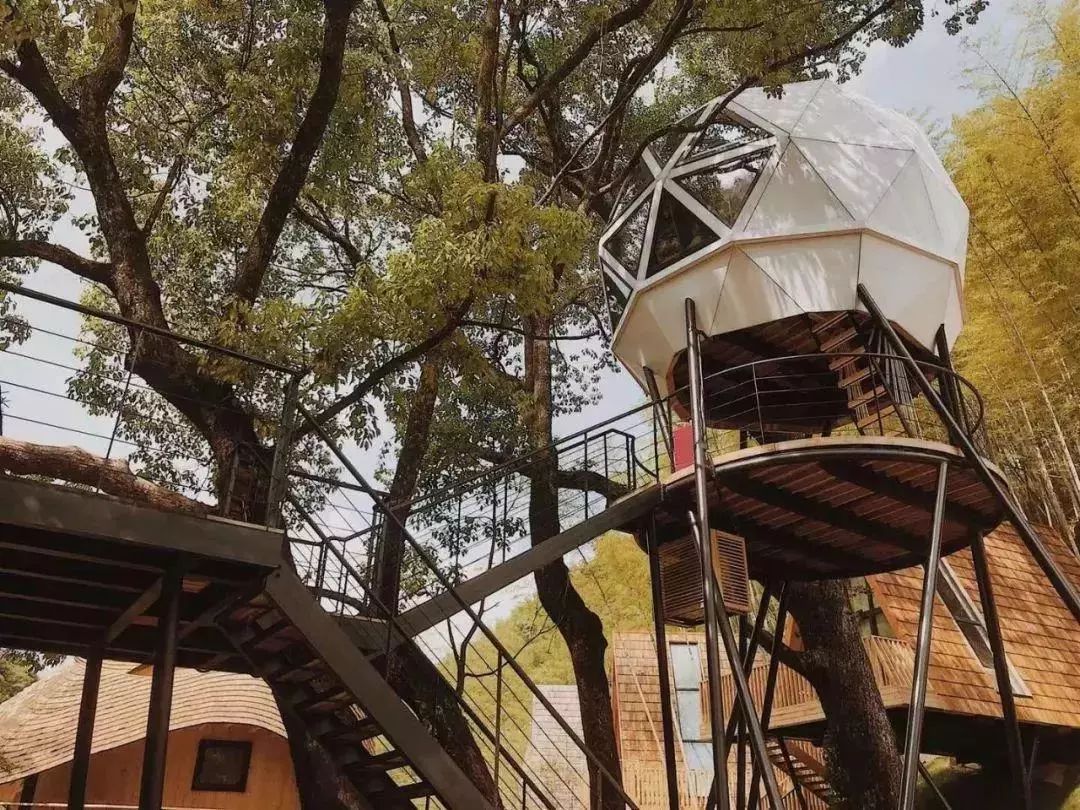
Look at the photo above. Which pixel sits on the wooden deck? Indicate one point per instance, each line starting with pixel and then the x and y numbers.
pixel 79 570
pixel 829 508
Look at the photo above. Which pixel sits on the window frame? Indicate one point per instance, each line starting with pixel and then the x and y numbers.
pixel 971 622
pixel 198 783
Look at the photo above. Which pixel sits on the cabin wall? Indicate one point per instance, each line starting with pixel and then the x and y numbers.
pixel 114 774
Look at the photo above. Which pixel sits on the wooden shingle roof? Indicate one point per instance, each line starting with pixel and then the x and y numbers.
pixel 37 726
pixel 552 759
pixel 1040 634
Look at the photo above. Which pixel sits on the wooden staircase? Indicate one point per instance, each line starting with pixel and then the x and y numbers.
pixel 341 699
pixel 868 399
pixel 799 761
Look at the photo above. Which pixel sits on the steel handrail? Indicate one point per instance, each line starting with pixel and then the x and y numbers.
pixel 393 624
pixel 459 487
pixel 423 554
pixel 165 332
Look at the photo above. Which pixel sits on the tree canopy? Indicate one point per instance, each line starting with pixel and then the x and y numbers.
pixel 1016 163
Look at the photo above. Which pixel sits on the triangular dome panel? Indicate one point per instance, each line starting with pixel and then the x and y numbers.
pixel 796 198
pixel 911 288
pixel 819 274
pixel 626 243
pixel 637 181
pixel 905 211
pixel 666 300
pixel 678 233
pixel 724 131
pixel 910 132
pixel 616 295
pixel 781 112
pixel 832 116
pixel 858 175
pixel 950 212
pixel 642 342
pixel 723 188
pixel 749 297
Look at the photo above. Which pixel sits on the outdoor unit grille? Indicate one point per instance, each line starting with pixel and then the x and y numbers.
pixel 680 577
pixel 729 564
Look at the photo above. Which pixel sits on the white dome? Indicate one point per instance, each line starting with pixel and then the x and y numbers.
pixel 781 206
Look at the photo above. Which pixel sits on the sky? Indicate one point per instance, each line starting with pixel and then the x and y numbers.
pixel 925 79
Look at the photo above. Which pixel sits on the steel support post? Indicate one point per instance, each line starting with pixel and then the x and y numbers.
pixel 770 689
pixel 667 719
pixel 753 723
pixel 1064 588
pixel 704 537
pixel 917 704
pixel 934 788
pixel 161 692
pixel 751 653
pixel 740 729
pixel 84 732
pixel 1013 741
pixel 661 417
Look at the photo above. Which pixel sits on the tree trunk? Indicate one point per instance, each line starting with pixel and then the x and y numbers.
pixel 319 781
pixel 579 626
pixel 414 445
pixel 420 684
pixel 411 673
pixel 860 745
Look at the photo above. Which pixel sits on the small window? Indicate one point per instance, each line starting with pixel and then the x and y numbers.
pixel 222 765
pixel 687 672
pixel 970 622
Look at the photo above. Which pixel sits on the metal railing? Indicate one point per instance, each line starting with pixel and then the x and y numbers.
pixel 97 383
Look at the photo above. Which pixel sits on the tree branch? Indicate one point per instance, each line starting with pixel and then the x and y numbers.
pixel 329 233
pixel 552 80
pixel 294 171
pixel 100 83
pixel 798 56
pixel 76 466
pixel 99 272
pixel 397 67
pixel 391 366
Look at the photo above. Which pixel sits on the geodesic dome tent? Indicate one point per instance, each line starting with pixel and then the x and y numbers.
pixel 777 207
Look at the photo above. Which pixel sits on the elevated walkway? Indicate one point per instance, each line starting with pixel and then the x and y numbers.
pixel 82 574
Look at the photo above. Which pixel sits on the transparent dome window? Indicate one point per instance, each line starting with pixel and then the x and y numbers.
pixel 722 133
pixel 615 296
pixel 626 243
pixel 638 180
pixel 724 188
pixel 678 233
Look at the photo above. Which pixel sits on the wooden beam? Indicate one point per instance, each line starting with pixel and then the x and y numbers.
pixel 882 484
pixel 137 608
pixel 822 512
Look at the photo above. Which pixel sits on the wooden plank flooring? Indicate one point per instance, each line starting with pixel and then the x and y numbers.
pixel 834 508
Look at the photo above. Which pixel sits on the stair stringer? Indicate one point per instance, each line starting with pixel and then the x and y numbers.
pixel 373 694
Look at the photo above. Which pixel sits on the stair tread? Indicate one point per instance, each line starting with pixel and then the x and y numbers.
pixel 839 339
pixel 829 323
pixel 879 413
pixel 868 396
pixel 847 358
pixel 856 377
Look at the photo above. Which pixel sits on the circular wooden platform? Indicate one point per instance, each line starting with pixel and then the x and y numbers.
pixel 833 508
